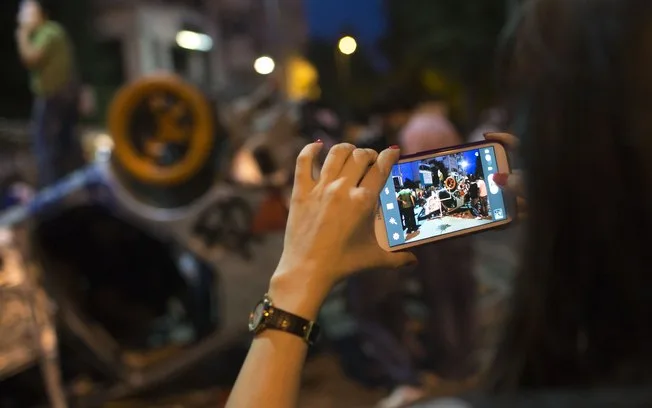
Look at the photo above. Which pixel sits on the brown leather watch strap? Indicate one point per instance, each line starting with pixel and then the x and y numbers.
pixel 281 320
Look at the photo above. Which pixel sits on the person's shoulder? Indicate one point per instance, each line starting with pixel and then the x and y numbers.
pixel 54 29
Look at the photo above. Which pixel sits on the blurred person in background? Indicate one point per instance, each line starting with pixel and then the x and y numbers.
pixel 445 275
pixel 377 298
pixel 389 115
pixel 14 191
pixel 445 270
pixel 492 120
pixel 46 50
pixel 581 82
pixel 429 128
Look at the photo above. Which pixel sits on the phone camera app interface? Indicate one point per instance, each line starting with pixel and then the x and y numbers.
pixel 441 195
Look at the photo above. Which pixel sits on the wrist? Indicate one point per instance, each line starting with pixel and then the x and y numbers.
pixel 295 292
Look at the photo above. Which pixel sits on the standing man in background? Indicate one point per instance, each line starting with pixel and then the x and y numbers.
pixel 484 201
pixel 46 51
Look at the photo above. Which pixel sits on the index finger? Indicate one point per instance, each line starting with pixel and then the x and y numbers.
pixel 379 172
pixel 303 174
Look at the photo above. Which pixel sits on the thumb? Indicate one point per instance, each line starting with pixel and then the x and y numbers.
pixel 516 184
pixel 510 182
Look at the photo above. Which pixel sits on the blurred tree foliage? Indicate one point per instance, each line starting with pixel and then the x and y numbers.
pixel 446 44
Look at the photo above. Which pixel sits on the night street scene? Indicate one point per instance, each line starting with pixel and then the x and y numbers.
pixel 187 193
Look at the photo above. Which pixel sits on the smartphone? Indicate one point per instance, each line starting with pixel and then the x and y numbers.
pixel 442 194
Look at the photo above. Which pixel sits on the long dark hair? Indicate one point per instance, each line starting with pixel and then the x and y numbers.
pixel 581 76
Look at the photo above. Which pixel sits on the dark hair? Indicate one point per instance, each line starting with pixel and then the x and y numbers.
pixel 581 73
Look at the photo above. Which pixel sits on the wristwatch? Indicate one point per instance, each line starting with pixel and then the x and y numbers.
pixel 266 316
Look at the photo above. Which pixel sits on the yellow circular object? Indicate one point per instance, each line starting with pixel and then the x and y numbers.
pixel 199 137
pixel 451 184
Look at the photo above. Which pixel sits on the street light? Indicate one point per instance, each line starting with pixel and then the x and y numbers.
pixel 345 48
pixel 193 41
pixel 264 65
pixel 347 45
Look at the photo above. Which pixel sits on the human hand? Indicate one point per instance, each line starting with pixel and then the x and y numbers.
pixel 330 229
pixel 511 183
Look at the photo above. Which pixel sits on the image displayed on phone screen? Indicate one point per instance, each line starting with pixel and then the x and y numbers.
pixel 441 195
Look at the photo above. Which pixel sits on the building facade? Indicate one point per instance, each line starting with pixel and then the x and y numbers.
pixel 142 36
pixel 249 29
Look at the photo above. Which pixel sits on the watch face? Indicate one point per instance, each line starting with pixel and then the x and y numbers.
pixel 256 317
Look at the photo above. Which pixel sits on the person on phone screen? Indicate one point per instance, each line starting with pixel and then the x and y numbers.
pixel 484 202
pixel 407 203
pixel 47 52
pixel 474 195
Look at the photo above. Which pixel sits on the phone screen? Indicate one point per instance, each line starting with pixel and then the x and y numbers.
pixel 441 195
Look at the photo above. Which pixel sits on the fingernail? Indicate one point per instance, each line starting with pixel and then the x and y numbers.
pixel 501 179
pixel 318 141
pixel 394 147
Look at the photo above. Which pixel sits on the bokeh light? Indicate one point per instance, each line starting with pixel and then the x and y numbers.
pixel 347 45
pixel 264 65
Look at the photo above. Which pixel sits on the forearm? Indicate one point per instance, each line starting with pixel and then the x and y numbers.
pixel 271 374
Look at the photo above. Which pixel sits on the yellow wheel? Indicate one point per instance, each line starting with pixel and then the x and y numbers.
pixel 163 130
pixel 451 184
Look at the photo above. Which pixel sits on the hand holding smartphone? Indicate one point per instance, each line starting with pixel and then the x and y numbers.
pixel 443 194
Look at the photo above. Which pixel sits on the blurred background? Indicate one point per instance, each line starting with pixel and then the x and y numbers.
pixel 128 280
pixel 436 47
